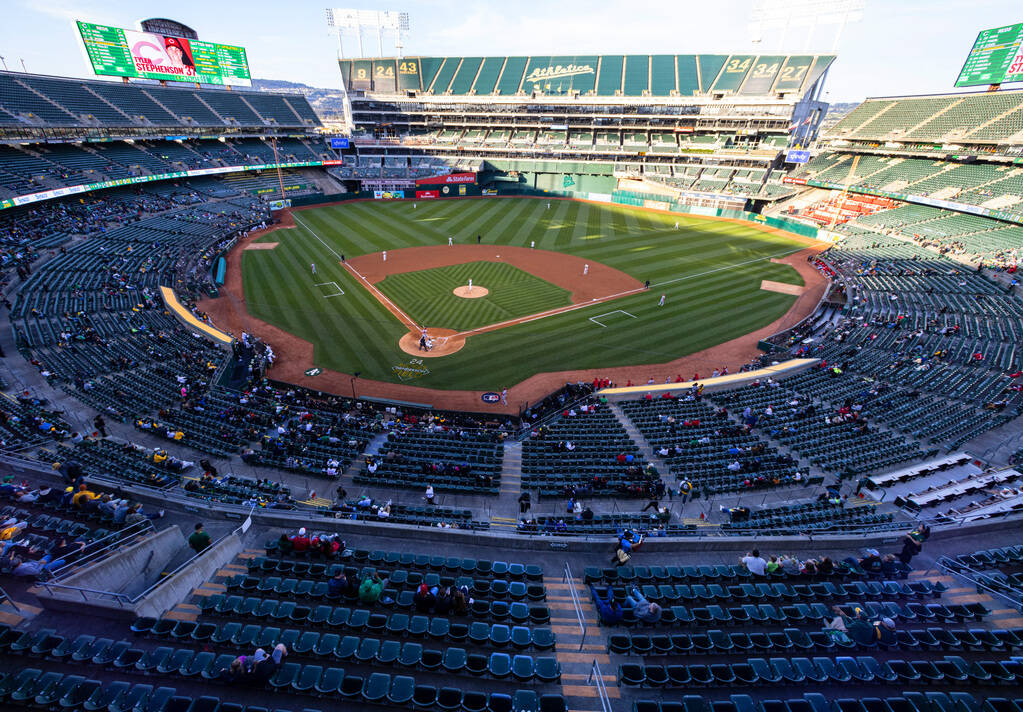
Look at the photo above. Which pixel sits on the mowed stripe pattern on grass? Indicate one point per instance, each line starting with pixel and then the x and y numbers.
pixel 427 295
pixel 709 270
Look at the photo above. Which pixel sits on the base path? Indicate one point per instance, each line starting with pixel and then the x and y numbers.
pixel 295 355
pixel 561 270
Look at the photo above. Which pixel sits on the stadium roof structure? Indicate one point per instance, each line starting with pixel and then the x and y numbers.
pixel 607 75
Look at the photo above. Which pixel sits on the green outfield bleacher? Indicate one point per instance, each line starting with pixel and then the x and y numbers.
pixel 465 75
pixel 662 75
pixel 489 73
pixel 587 75
pixel 637 75
pixel 986 117
pixel 511 75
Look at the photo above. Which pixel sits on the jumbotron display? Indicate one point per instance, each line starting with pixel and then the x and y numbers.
pixel 117 52
pixel 996 58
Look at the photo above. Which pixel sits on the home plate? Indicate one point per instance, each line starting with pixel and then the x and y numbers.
pixel 793 289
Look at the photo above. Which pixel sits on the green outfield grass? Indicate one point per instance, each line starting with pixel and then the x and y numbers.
pixel 426 295
pixel 710 271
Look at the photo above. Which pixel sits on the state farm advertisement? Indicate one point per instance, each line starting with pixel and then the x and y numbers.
pixel 427 194
pixel 450 179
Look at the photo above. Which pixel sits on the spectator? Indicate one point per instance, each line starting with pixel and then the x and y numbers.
pixel 643 609
pixel 608 608
pixel 263 666
pixel 524 502
pixel 791 566
pixel 460 603
pixel 423 599
pixel 754 563
pixel 300 542
pixel 371 588
pixel 428 497
pixel 442 604
pixel 280 652
pixel 199 540
pixel 884 632
pixel 284 544
pixel 338 585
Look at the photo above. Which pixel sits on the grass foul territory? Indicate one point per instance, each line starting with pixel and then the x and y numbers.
pixel 709 271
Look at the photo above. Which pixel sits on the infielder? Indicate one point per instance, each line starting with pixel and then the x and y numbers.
pixel 385 255
pixel 586 270
pixel 661 303
pixel 451 241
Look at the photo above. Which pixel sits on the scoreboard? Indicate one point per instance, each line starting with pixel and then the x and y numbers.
pixel 996 57
pixel 116 52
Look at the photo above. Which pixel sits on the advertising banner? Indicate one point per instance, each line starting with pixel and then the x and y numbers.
pixel 451 178
pixel 427 194
pixel 388 194
pixel 656 205
pixel 339 142
pixel 76 189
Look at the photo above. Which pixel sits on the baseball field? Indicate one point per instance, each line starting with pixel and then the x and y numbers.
pixel 565 286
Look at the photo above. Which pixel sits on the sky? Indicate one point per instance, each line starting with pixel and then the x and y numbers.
pixel 898 47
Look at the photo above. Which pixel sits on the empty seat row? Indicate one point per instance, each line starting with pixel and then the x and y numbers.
pixel 816 702
pixel 497 635
pixel 843 669
pixel 719 642
pixel 724 573
pixel 269 608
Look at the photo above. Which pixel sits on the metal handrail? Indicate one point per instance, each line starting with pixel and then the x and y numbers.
pixel 597 679
pixel 573 594
pixel 974 578
pixel 526 428
pixel 101 547
pixel 122 598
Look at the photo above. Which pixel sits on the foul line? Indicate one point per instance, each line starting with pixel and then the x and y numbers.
pixel 381 297
pixel 610 297
pixel 721 269
pixel 408 321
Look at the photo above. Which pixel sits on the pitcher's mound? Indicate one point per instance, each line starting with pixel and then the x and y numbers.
pixel 445 342
pixel 476 293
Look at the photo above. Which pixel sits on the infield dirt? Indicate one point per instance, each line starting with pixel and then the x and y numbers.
pixel 228 312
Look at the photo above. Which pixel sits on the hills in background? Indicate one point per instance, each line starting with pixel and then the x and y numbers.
pixel 326 102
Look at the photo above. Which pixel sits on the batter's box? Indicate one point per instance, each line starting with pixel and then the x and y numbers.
pixel 609 317
pixel 333 288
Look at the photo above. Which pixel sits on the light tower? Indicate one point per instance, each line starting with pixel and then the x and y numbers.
pixel 383 21
pixel 771 17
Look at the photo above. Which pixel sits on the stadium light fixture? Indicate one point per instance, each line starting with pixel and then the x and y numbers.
pixel 769 17
pixel 341 19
